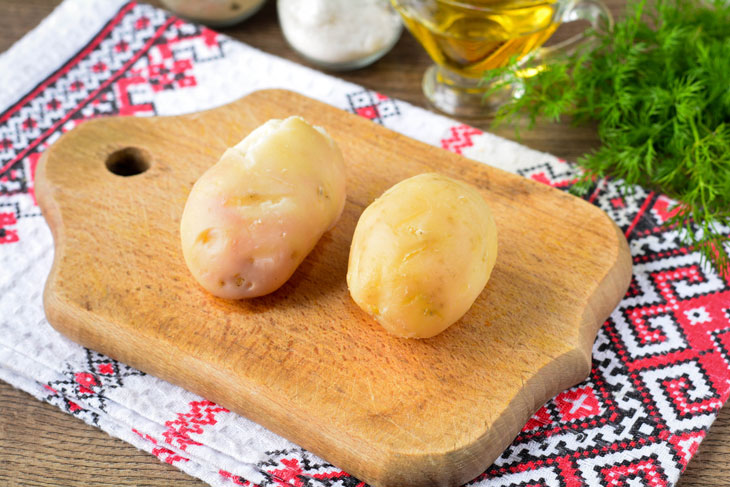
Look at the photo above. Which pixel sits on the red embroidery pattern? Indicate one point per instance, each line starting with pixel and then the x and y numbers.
pixel 372 105
pixel 236 479
pixel 201 414
pixel 140 51
pixel 90 385
pixel 164 454
pixel 460 138
pixel 8 235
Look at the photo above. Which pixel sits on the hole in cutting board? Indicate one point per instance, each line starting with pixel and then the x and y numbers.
pixel 129 161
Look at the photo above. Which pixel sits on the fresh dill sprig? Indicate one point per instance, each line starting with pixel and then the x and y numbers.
pixel 658 86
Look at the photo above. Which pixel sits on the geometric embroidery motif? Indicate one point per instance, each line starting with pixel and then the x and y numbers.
pixel 649 466
pixel 90 384
pixel 372 105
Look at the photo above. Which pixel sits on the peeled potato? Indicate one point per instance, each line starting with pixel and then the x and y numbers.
pixel 421 254
pixel 252 218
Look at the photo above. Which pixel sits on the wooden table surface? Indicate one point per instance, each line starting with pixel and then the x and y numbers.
pixel 40 445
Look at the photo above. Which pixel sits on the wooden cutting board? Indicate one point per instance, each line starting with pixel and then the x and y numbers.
pixel 306 362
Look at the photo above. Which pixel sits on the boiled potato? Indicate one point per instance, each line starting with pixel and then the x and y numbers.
pixel 421 254
pixel 252 218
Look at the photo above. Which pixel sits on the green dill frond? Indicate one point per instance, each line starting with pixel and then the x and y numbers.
pixel 658 87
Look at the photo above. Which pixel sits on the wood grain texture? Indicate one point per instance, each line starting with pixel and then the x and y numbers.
pixel 305 361
pixel 40 445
